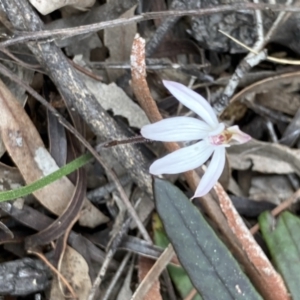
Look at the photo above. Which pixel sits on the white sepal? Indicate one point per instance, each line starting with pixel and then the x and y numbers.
pixel 193 101
pixel 176 129
pixel 212 173
pixel 183 160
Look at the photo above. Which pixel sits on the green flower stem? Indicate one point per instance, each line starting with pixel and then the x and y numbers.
pixel 30 188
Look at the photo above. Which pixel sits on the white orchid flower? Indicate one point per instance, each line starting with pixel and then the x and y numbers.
pixel 213 136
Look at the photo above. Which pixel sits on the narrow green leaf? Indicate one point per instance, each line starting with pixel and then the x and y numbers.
pixel 210 266
pixel 283 240
pixel 38 184
pixel 178 275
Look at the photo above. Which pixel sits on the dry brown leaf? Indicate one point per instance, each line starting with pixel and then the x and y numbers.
pixel 280 99
pixel 18 91
pixel 288 82
pixel 264 158
pixel 75 269
pixel 112 97
pixel 272 188
pixel 47 6
pixel 27 150
pixel 119 40
pixel 145 265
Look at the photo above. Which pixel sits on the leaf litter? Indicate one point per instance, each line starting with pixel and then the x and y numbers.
pixel 108 248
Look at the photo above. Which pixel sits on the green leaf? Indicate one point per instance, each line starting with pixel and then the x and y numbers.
pixel 210 266
pixel 38 184
pixel 283 240
pixel 178 275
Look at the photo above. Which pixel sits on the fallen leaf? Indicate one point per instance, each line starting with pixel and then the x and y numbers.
pixel 47 6
pixel 272 188
pixel 112 97
pixel 264 158
pixel 75 269
pixel 18 91
pixel 28 152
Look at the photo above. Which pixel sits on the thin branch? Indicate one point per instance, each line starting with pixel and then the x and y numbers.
pixel 23 37
pixel 270 283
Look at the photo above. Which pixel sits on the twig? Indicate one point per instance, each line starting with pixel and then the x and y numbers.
pixel 191 295
pixel 112 248
pixel 154 273
pixel 267 279
pixel 270 58
pixel 116 277
pixel 247 63
pixel 278 209
pixel 152 64
pixel 243 68
pixel 163 29
pixel 59 33
pixel 97 194
pixel 54 270
pixel 267 112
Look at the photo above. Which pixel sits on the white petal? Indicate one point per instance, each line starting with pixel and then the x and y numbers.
pixel 193 101
pixel 212 173
pixel 176 129
pixel 183 160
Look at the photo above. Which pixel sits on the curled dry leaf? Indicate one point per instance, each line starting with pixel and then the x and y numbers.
pixel 75 269
pixel 47 6
pixel 27 150
pixel 265 158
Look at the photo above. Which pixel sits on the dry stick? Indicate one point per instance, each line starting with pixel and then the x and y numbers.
pixel 284 61
pixel 247 63
pixel 270 283
pixel 151 65
pixel 153 274
pixel 281 207
pixel 117 275
pixel 66 32
pixel 163 29
pixel 55 271
pixel 191 295
pixel 113 247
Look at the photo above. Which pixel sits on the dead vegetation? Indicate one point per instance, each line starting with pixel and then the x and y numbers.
pixel 86 76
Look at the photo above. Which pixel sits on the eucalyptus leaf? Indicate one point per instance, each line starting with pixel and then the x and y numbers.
pixel 211 267
pixel 283 240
